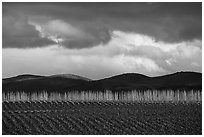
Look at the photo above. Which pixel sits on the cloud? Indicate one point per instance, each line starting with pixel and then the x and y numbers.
pixel 17 33
pixel 71 36
pixel 101 39
pixel 169 57
pixel 61 29
pixel 125 52
pixel 167 22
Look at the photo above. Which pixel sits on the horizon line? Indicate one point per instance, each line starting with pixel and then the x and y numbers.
pixel 99 78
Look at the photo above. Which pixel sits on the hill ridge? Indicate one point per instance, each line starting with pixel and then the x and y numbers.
pixel 125 81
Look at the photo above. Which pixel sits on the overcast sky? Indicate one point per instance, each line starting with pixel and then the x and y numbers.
pixel 98 40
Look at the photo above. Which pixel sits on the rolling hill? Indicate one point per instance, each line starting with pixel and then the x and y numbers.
pixel 31 83
pixel 128 81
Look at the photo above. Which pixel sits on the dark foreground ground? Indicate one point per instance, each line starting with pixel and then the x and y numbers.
pixel 101 118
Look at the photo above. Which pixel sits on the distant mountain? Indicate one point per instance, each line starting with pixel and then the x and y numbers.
pixel 21 78
pixel 132 81
pixel 179 80
pixel 37 83
pixel 71 76
pixel 129 81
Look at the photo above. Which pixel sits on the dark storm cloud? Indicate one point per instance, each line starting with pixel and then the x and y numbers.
pixel 170 22
pixel 97 37
pixel 17 33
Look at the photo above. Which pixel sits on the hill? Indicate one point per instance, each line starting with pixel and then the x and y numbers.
pixel 30 83
pixel 129 81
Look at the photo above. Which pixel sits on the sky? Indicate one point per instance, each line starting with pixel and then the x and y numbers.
pixel 98 40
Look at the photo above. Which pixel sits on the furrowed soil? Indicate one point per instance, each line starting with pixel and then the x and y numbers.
pixel 101 118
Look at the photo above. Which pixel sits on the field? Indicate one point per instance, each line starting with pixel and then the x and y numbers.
pixel 101 118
